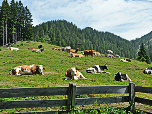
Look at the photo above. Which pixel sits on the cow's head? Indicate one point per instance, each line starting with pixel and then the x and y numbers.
pixel 104 67
pixel 118 76
pixel 73 71
pixel 40 69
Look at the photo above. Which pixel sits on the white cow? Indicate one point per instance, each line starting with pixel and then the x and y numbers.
pixel 73 74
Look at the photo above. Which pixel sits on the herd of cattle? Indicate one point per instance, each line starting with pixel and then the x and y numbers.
pixel 72 73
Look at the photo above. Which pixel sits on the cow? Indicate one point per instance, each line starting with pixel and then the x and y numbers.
pixel 75 55
pixel 13 48
pixel 88 52
pixel 67 49
pixel 109 55
pixel 74 51
pixel 60 49
pixel 73 74
pixel 96 53
pixel 122 77
pixel 30 48
pixel 109 52
pixel 125 60
pixel 148 70
pixel 27 70
pixel 37 50
pixel 41 46
pixel 97 69
pixel 117 56
pixel 54 49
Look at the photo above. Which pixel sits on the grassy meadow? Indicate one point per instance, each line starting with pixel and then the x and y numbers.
pixel 57 62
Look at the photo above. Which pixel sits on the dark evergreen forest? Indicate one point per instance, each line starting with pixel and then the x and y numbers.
pixel 16 25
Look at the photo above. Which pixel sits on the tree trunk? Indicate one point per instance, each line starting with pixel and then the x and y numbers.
pixel 6 32
pixel 3 34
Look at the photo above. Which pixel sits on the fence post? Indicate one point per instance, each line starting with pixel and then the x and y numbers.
pixel 132 95
pixel 71 96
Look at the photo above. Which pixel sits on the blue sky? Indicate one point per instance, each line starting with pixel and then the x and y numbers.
pixel 129 19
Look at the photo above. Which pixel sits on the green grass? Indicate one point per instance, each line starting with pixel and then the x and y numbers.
pixel 57 62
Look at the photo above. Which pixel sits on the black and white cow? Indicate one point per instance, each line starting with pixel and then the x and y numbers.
pixel 41 46
pixel 148 70
pixel 97 69
pixel 122 77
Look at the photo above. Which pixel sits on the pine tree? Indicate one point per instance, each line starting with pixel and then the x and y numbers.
pixel 142 56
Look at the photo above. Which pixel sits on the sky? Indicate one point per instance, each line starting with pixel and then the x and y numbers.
pixel 129 19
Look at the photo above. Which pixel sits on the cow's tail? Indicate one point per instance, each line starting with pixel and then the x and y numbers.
pixel 10 73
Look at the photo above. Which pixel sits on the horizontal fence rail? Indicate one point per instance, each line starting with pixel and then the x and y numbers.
pixel 143 90
pixel 72 91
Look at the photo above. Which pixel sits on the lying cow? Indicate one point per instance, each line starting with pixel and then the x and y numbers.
pixel 74 51
pixel 97 69
pixel 12 48
pixel 125 60
pixel 75 55
pixel 122 77
pixel 109 55
pixel 96 53
pixel 73 74
pixel 148 70
pixel 38 50
pixel 28 70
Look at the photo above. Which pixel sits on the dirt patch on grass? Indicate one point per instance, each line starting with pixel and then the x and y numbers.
pixel 51 72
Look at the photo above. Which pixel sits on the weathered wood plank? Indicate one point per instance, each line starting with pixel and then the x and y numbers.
pixel 32 103
pixel 101 90
pixel 26 92
pixel 69 96
pixel 143 89
pixel 39 112
pixel 143 101
pixel 101 100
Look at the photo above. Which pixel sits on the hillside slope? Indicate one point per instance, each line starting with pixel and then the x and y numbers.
pixel 63 33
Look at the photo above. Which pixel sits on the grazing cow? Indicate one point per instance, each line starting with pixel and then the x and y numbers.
pixel 74 51
pixel 109 55
pixel 73 74
pixel 96 53
pixel 97 69
pixel 28 70
pixel 12 48
pixel 122 77
pixel 109 52
pixel 148 70
pixel 41 46
pixel 88 52
pixel 67 49
pixel 37 50
pixel 125 60
pixel 75 55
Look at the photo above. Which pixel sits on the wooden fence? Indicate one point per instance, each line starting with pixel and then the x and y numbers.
pixel 71 91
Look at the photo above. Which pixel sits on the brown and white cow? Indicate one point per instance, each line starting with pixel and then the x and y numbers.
pixel 88 52
pixel 74 51
pixel 13 48
pixel 38 50
pixel 73 74
pixel 96 53
pixel 75 55
pixel 28 70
